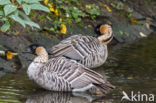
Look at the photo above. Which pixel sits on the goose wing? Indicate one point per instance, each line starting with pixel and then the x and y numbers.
pixel 76 47
pixel 75 74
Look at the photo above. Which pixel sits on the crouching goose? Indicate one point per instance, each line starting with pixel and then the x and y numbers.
pixel 62 74
pixel 87 50
pixel 8 54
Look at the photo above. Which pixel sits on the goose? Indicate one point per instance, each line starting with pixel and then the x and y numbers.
pixel 87 50
pixel 8 54
pixel 62 74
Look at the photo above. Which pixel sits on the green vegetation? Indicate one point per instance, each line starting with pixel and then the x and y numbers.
pixel 59 13
pixel 67 12
pixel 123 9
pixel 62 12
pixel 18 10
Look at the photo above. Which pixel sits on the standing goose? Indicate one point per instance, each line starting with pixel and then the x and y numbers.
pixel 87 50
pixel 62 74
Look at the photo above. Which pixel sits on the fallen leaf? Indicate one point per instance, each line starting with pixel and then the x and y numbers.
pixel 56 12
pixel 60 19
pixel 107 7
pixel 88 6
pixel 50 5
pixel 63 29
pixel 52 9
pixel 130 77
pixel 133 21
pixel 147 25
pixel 46 2
pixel 142 34
pixel 90 26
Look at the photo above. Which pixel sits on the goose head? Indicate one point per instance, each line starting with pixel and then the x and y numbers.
pixel 36 49
pixel 104 32
pixel 8 54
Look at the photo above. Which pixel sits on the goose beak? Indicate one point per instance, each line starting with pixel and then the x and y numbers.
pixel 9 55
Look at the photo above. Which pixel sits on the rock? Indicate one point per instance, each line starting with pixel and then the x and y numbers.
pixel 76 29
pixel 126 33
pixel 136 15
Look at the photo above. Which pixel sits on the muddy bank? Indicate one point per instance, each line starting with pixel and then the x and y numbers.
pixel 125 31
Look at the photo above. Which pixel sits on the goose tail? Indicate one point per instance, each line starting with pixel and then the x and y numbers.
pixel 105 86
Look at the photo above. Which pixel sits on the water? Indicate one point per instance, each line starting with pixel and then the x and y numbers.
pixel 132 68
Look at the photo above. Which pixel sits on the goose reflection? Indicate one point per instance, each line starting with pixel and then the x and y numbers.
pixel 61 97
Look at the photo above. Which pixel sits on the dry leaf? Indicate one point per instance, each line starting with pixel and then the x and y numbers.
pixel 56 12
pixel 147 25
pixel 51 9
pixel 88 6
pixel 46 2
pixel 60 20
pixel 90 26
pixel 133 21
pixel 142 34
pixel 63 29
pixel 130 77
pixel 107 7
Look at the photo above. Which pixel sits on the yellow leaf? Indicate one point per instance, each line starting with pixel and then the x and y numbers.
pixel 50 5
pixel 60 20
pixel 56 12
pixel 63 29
pixel 133 21
pixel 46 2
pixel 88 6
pixel 52 9
pixel 107 7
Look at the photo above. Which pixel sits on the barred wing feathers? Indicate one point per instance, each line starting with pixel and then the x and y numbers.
pixel 76 47
pixel 72 74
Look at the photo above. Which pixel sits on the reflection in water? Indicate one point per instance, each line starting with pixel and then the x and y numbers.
pixel 17 88
pixel 49 97
pixel 61 97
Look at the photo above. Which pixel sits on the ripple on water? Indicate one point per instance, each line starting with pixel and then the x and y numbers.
pixel 14 87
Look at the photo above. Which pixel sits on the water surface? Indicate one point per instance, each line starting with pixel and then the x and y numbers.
pixel 131 68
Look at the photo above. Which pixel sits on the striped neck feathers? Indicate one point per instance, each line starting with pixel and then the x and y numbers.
pixel 42 55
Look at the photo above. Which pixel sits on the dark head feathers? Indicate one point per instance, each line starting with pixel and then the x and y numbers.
pixel 32 48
